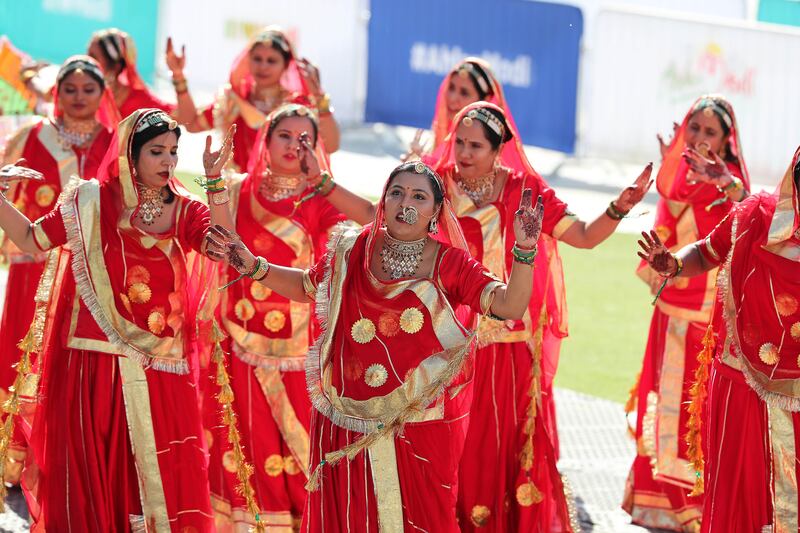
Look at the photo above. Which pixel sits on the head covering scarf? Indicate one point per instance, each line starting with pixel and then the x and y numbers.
pixel 242 81
pixel 548 289
pixel 119 46
pixel 106 113
pixel 671 179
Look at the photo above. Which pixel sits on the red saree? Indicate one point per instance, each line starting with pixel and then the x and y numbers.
pixel 658 486
pixel 117 435
pixel 515 361
pixel 234 106
pixel 269 337
pixel 751 423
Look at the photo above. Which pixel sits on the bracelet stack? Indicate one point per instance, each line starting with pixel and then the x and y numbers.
pixel 181 85
pixel 680 266
pixel 613 213
pixel 323 104
pixel 260 269
pixel 524 256
pixel 735 185
pixel 215 188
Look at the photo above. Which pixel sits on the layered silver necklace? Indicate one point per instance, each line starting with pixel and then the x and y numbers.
pixel 400 259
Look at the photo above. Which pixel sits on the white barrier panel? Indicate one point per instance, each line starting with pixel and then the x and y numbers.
pixel 333 35
pixel 645 70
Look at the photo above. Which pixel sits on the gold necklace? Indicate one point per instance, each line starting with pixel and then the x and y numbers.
pixel 401 259
pixel 275 188
pixel 478 189
pixel 151 204
pixel 265 100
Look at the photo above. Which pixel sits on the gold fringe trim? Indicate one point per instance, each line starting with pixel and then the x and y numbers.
pixel 284 364
pixel 631 404
pixel 394 425
pixel 11 408
pixel 698 393
pixel 225 398
pixel 527 454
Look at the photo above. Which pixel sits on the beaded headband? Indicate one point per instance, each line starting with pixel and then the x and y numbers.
pixel 487 118
pixel 154 119
pixel 268 38
pixel 709 105
pixel 79 63
pixel 468 69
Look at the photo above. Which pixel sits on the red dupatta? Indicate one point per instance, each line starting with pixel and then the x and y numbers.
pixel 687 211
pixel 107 113
pixel 759 290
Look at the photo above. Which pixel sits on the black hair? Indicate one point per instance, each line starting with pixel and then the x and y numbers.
pixel 492 136
pixel 277 42
pixel 478 70
pixel 413 167
pixel 293 110
pixel 86 65
pixel 107 41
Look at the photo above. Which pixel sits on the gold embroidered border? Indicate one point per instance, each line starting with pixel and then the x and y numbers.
pixel 563 225
pixel 135 390
pixel 784 470
pixel 292 431
pixel 383 464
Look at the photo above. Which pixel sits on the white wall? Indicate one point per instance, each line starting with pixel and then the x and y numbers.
pixel 332 34
pixel 645 69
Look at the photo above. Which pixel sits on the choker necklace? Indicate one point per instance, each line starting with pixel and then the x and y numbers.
pixel 400 259
pixel 478 189
pixel 268 99
pixel 275 188
pixel 75 132
pixel 151 205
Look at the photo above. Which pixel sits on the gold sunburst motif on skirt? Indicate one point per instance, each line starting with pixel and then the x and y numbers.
pixel 244 309
pixel 786 304
pixel 139 293
pixel 528 494
pixel 768 353
pixel 795 331
pixel 389 324
pixel 273 466
pixel 363 330
pixel 290 466
pixel 138 274
pixel 45 195
pixel 376 375
pixel 229 461
pixel 274 320
pixel 480 515
pixel 156 321
pixel 411 320
pixel 259 292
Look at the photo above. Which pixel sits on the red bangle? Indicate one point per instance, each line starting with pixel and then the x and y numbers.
pixel 212 176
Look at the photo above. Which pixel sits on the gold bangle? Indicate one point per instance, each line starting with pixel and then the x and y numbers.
pixel 181 85
pixel 219 197
pixel 324 104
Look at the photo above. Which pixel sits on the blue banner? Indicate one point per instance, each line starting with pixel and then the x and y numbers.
pixel 533 48
pixel 53 30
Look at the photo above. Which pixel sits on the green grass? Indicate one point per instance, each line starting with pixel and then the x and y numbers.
pixel 187 179
pixel 609 316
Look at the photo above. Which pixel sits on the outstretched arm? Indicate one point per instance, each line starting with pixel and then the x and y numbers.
pixel 588 235
pixel 186 112
pixel 688 262
pixel 16 225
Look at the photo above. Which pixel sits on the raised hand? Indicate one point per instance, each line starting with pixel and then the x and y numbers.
pixel 18 171
pixel 665 146
pixel 223 245
pixel 528 220
pixel 309 165
pixel 416 148
pixel 214 162
pixel 310 74
pixel 657 255
pixel 176 63
pixel 711 169
pixel 632 195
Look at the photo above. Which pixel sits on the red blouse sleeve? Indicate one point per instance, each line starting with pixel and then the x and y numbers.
pixel 49 231
pixel 716 246
pixel 466 281
pixel 195 224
